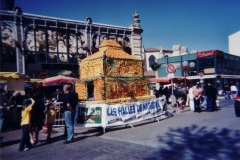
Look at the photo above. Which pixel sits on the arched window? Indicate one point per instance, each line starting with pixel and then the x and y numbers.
pixel 151 60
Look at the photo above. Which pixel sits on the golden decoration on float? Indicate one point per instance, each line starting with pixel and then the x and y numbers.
pixel 116 76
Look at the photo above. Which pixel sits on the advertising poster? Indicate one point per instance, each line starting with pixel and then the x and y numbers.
pixel 89 115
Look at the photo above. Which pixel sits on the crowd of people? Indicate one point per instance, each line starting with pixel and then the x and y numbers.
pixel 196 97
pixel 37 111
pixel 202 97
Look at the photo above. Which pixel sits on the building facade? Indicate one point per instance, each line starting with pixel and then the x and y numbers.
pixel 152 54
pixel 219 68
pixel 234 44
pixel 42 46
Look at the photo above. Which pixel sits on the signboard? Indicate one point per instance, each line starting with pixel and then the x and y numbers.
pixel 209 53
pixel 170 75
pixel 103 115
pixel 209 70
pixel 170 68
pixel 15 84
pixel 89 115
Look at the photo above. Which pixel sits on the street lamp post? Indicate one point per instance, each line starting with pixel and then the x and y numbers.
pixel 185 68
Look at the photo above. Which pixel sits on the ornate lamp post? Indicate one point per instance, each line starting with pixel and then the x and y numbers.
pixel 185 67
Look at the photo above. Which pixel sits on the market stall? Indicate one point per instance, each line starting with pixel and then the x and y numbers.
pixel 58 79
pixel 14 81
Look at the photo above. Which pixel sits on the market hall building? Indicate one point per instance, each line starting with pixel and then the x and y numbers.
pixel 42 46
pixel 219 68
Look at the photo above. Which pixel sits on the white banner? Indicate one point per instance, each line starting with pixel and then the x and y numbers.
pixel 103 115
pixel 133 112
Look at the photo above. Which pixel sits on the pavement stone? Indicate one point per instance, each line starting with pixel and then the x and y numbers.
pixel 89 144
pixel 85 147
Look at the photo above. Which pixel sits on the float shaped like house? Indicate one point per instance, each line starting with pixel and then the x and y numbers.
pixel 111 76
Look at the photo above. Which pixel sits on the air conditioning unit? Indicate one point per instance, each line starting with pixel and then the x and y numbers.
pixel 176 47
pixel 193 51
pixel 184 49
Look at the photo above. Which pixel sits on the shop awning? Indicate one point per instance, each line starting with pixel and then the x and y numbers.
pixel 167 80
pixel 35 81
pixel 204 77
pixel 15 75
pixel 159 80
pixel 230 76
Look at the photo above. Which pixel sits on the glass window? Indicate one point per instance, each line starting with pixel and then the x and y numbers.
pixel 8 56
pixel 151 60
pixel 52 40
pixel 62 41
pixel 209 62
pixel 63 58
pixel 72 42
pixel 41 39
pixel 73 58
pixel 41 57
pixel 95 43
pixel 202 63
pixel 8 37
pixel 30 57
pixel 52 58
pixel 219 62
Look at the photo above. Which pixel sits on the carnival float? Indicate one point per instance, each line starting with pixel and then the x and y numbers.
pixel 115 76
pixel 112 87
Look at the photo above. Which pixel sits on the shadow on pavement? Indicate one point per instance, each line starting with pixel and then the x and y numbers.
pixel 77 137
pixel 141 123
pixel 58 138
pixel 9 143
pixel 203 109
pixel 200 143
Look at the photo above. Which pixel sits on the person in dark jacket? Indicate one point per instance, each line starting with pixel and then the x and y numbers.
pixel 156 93
pixel 210 92
pixel 68 99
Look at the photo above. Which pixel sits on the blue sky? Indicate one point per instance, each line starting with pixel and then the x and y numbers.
pixel 198 24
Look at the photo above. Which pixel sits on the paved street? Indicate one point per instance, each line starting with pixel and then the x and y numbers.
pixel 185 135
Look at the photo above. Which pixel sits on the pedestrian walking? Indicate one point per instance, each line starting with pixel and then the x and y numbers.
pixel 68 99
pixel 50 117
pixel 25 140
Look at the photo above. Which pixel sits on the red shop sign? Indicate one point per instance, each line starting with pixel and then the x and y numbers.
pixel 206 54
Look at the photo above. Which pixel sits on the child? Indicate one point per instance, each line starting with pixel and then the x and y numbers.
pixel 25 140
pixel 50 116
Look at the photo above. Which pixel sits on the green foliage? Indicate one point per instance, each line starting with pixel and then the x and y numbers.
pixel 155 66
pixel 111 62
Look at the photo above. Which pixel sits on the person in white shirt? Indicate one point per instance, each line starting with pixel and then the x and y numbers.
pixel 191 98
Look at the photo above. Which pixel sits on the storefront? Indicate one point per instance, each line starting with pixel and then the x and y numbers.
pixel 218 68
